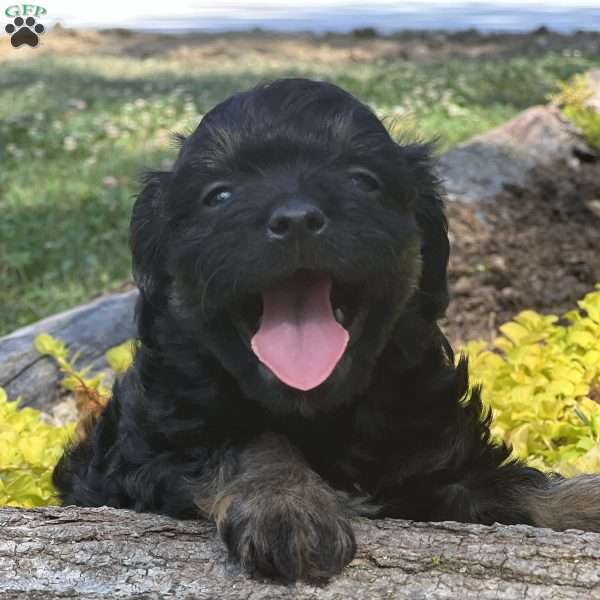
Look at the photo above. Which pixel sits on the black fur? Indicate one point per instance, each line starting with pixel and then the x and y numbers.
pixel 199 427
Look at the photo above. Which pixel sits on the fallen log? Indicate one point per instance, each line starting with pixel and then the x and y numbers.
pixel 106 553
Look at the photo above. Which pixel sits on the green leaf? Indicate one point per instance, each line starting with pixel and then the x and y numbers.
pixel 45 344
pixel 120 357
pixel 514 332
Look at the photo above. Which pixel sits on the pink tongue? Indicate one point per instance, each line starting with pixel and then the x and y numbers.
pixel 299 338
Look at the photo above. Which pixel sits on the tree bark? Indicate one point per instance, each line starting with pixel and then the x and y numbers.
pixel 106 553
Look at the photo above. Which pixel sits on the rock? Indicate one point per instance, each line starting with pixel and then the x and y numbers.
pixel 512 157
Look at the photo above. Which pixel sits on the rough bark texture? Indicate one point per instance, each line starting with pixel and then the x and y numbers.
pixel 106 553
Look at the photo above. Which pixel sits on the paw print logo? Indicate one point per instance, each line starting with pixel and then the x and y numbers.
pixel 24 31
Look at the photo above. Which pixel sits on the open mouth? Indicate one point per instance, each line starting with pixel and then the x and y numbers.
pixel 300 327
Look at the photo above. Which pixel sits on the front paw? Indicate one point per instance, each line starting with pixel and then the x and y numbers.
pixel 288 537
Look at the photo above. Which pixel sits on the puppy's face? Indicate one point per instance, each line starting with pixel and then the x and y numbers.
pixel 289 242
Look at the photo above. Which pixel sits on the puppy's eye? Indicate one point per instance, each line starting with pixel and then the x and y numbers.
pixel 365 180
pixel 216 195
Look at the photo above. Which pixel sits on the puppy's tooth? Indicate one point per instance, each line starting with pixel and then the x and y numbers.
pixel 339 315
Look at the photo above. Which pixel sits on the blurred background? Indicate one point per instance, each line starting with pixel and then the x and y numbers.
pixel 98 100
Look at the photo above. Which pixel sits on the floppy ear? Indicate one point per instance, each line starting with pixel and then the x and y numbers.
pixel 435 248
pixel 417 330
pixel 147 232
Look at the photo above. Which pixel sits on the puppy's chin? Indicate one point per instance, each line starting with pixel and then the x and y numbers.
pixel 338 389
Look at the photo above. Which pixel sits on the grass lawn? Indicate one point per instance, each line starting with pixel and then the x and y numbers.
pixel 75 131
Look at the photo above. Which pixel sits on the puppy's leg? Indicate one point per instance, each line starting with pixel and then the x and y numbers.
pixel 274 513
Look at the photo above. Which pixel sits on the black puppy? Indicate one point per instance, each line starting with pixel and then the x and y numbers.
pixel 290 372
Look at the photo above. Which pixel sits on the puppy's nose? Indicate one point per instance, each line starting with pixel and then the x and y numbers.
pixel 296 218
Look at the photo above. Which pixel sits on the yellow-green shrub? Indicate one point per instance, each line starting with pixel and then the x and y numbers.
pixel 573 98
pixel 75 379
pixel 29 449
pixel 543 384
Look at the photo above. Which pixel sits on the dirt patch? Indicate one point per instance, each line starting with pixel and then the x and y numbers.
pixel 539 249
